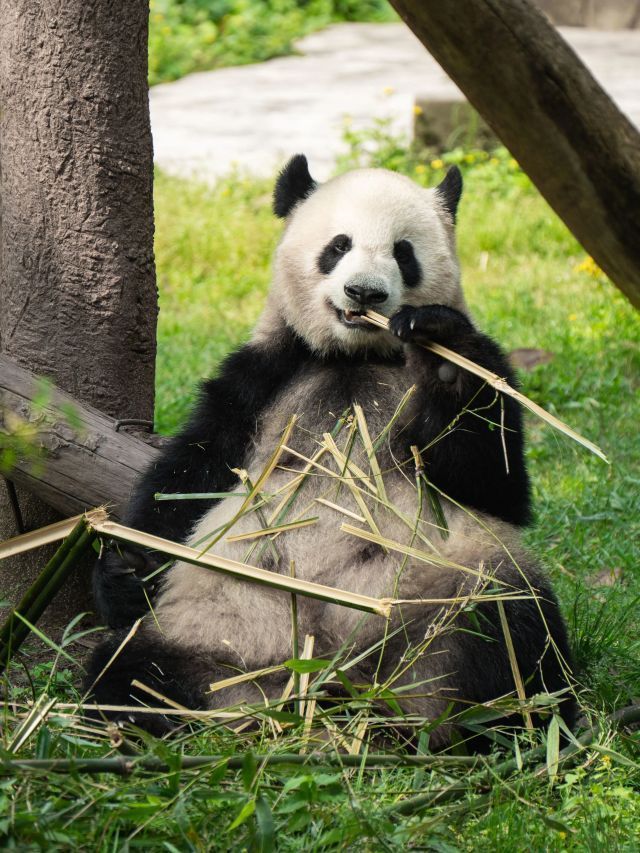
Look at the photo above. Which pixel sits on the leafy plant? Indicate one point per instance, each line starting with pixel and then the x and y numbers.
pixel 195 35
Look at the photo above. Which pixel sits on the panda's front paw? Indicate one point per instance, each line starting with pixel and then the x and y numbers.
pixel 120 590
pixel 436 323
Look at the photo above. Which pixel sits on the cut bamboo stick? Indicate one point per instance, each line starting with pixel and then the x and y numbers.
pixel 38 538
pixel 244 571
pixel 499 383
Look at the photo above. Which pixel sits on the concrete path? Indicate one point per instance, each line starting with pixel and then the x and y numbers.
pixel 256 116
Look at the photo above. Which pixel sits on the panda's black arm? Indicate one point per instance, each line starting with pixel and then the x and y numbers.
pixel 198 459
pixel 215 438
pixel 471 436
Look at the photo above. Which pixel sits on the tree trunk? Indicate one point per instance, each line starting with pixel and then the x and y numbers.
pixel 78 300
pixel 87 462
pixel 582 153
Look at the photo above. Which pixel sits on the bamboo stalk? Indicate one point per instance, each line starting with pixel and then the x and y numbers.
pixel 244 571
pixel 363 429
pixel 295 650
pixel 124 765
pixel 513 662
pixel 499 384
pixel 34 602
pixel 459 790
pixel 272 531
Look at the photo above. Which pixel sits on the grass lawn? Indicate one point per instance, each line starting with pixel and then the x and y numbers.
pixel 530 285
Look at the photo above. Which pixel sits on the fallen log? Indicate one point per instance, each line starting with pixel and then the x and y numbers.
pixel 577 147
pixel 85 461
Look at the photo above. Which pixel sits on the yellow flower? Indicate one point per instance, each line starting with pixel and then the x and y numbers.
pixel 469 158
pixel 166 31
pixel 494 161
pixel 572 317
pixel 420 169
pixel 388 90
pixel 437 164
pixel 417 110
pixel 589 266
pixel 513 163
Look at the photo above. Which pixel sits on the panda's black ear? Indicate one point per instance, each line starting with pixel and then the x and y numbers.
pixel 450 191
pixel 294 184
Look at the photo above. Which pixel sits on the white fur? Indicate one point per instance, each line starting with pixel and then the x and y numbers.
pixel 376 209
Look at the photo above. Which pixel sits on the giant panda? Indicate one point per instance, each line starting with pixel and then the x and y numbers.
pixel 367 239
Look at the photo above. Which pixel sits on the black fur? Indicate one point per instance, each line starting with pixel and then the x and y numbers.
pixel 198 459
pixel 468 462
pixel 332 253
pixel 481 663
pixel 407 263
pixel 293 185
pixel 450 191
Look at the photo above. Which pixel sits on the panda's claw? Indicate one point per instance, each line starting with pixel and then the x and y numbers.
pixel 425 323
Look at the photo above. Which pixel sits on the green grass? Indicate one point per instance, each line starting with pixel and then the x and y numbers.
pixel 196 35
pixel 527 285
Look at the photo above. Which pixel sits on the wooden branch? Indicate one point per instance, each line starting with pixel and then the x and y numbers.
pixel 582 153
pixel 79 469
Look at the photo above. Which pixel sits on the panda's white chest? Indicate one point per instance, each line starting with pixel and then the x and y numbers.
pixel 313 484
pixel 297 457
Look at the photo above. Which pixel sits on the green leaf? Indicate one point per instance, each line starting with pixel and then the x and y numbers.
pixel 265 826
pixel 245 812
pixel 281 716
pixel 72 416
pixel 346 683
pixel 302 665
pixel 249 770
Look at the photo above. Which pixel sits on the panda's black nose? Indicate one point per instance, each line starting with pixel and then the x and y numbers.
pixel 365 291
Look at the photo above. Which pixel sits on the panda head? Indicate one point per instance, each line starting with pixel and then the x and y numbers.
pixel 367 239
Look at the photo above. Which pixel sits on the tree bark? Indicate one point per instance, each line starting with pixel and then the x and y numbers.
pixel 582 153
pixel 86 462
pixel 78 300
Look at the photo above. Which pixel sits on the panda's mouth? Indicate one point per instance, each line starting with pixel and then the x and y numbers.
pixel 355 319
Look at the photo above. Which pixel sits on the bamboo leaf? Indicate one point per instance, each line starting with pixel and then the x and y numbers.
pixel 363 429
pixel 306 666
pixel 265 826
pixel 273 531
pixel 245 812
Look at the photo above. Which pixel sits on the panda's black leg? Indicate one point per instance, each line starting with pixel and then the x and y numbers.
pixel 172 672
pixel 468 663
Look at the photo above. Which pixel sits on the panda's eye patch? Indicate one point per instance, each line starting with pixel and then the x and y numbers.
pixel 333 252
pixel 341 244
pixel 407 263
